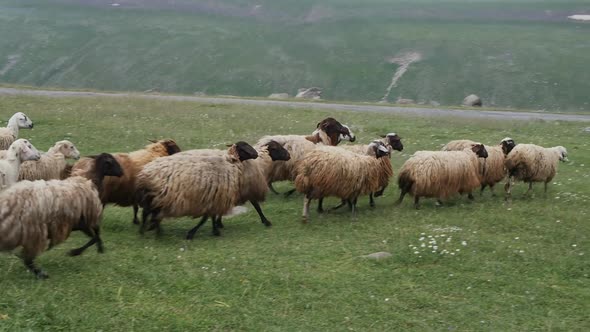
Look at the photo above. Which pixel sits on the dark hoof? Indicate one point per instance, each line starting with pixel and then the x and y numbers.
pixel 41 275
pixel 216 232
pixel 136 221
pixel 100 250
pixel 267 223
pixel 372 205
pixel 190 236
pixel 320 210
pixel 75 252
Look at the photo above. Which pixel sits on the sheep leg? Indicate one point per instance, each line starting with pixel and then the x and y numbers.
pixel 263 219
pixel 289 193
pixel 470 196
pixel 483 186
pixel 216 221
pixel 219 223
pixel 530 189
pixel 135 210
pixel 417 202
pixel 492 190
pixel 342 203
pixel 353 207
pixel 440 203
pixel 371 200
pixel 272 189
pixel 321 205
pixel 508 188
pixel 401 197
pixel 545 188
pixel 191 233
pixel 94 234
pixel 30 264
pixel 306 202
pixel 380 192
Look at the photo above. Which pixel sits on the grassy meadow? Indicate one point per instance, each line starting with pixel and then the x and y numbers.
pixel 512 53
pixel 519 267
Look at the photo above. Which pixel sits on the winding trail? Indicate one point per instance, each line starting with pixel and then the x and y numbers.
pixel 427 112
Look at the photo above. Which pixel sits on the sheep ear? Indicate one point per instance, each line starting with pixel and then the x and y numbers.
pixel 229 145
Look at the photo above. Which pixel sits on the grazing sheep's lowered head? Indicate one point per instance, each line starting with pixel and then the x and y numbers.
pixel 169 144
pixel 395 141
pixel 507 145
pixel 562 153
pixel 276 151
pixel 22 120
pixel 480 150
pixel 243 151
pixel 25 149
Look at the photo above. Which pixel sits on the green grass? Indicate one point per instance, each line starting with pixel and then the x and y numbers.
pixel 514 54
pixel 519 269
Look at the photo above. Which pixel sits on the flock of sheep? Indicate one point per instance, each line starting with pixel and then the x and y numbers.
pixel 43 198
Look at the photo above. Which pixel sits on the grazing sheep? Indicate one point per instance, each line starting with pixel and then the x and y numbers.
pixel 10 133
pixel 254 176
pixel 19 151
pixel 121 190
pixel 39 215
pixel 441 174
pixel 332 171
pixel 393 142
pixel 494 163
pixel 185 185
pixel 533 163
pixel 328 132
pixel 52 164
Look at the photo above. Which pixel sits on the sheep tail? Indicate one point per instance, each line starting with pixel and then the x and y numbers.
pixel 405 182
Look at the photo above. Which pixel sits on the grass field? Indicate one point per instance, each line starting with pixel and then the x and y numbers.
pixel 517 267
pixel 517 53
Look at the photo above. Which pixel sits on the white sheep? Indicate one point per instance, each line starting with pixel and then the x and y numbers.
pixel 19 151
pixel 333 171
pixel 441 174
pixel 52 164
pixel 9 133
pixel 533 163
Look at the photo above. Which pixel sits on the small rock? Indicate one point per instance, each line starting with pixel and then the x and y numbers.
pixel 278 96
pixel 472 100
pixel 378 255
pixel 434 103
pixel 309 93
pixel 587 130
pixel 404 101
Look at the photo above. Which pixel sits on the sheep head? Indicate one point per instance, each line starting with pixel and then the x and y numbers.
pixel 107 165
pixel 394 141
pixel 68 149
pixel 562 153
pixel 480 150
pixel 243 151
pixel 379 149
pixel 276 151
pixel 350 136
pixel 24 150
pixel 507 145
pixel 333 130
pixel 22 120
pixel 168 144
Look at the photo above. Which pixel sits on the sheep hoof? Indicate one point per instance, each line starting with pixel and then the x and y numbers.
pixel 304 220
pixel 320 210
pixel 267 223
pixel 372 204
pixel 41 275
pixel 75 252
pixel 136 221
pixel 216 232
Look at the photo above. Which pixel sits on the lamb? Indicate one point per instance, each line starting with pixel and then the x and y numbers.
pixel 185 185
pixel 121 190
pixel 332 171
pixel 19 151
pixel 494 163
pixel 52 164
pixel 328 132
pixel 441 174
pixel 532 163
pixel 10 133
pixel 38 215
pixel 255 174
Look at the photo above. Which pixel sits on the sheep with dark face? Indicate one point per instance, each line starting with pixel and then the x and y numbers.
pixel 9 134
pixel 333 171
pixel 533 163
pixel 195 186
pixel 37 215
pixel 121 190
pixel 495 171
pixel 328 132
pixel 254 176
pixel 441 174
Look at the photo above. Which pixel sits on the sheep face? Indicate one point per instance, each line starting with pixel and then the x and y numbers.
pixel 562 154
pixel 379 148
pixel 507 145
pixel 68 149
pixel 394 141
pixel 171 146
pixel 107 165
pixel 244 151
pixel 25 149
pixel 480 150
pixel 351 137
pixel 23 121
pixel 277 151
pixel 333 129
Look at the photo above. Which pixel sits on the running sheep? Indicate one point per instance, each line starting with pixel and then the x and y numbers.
pixel 39 215
pixel 18 152
pixel 196 186
pixel 495 171
pixel 332 171
pixel 121 190
pixel 254 176
pixel 533 163
pixel 441 174
pixel 9 134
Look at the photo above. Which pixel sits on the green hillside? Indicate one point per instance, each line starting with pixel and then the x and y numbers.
pixel 517 53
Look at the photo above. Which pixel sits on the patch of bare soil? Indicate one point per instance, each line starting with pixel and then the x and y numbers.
pixel 404 61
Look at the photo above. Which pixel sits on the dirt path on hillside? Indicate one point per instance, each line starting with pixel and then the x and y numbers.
pixel 428 112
